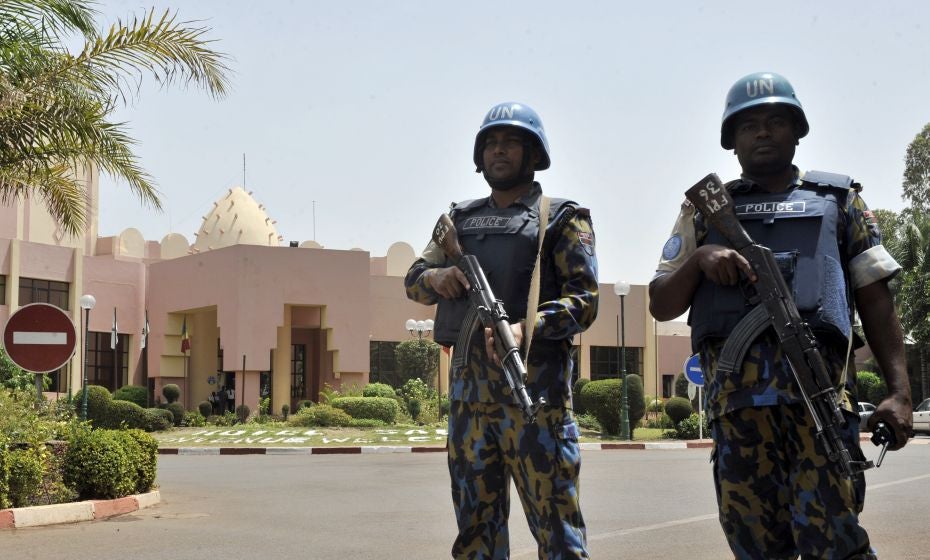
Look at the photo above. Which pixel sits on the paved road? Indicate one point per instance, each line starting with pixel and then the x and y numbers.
pixel 638 504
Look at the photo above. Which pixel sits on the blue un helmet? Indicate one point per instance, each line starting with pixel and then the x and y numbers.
pixel 757 89
pixel 520 116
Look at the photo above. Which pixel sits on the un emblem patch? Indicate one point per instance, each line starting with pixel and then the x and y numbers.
pixel 672 247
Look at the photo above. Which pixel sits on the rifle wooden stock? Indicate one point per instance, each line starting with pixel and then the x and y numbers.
pixel 486 310
pixel 798 343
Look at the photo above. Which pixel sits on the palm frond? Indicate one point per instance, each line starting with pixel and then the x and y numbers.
pixel 56 17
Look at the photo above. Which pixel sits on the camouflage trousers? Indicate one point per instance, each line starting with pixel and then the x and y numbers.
pixel 490 444
pixel 779 496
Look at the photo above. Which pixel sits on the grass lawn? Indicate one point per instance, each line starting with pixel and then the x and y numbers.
pixel 282 435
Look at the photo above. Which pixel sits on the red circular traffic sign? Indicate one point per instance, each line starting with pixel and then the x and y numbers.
pixel 39 337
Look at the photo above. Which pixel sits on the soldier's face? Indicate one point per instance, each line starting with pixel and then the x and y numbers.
pixel 764 138
pixel 503 153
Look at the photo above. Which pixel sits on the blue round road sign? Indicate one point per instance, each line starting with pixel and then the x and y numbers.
pixel 693 371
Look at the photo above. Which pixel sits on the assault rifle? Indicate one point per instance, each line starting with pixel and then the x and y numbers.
pixel 485 309
pixel 776 308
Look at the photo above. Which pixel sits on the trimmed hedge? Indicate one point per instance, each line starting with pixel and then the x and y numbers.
pixel 97 466
pixel 132 393
pixel 678 408
pixel 205 408
pixel 374 408
pixel 177 412
pixel 171 392
pixel 143 454
pixel 603 399
pixel 379 390
pixel 577 403
pixel 157 419
pixel 26 470
pixel 320 415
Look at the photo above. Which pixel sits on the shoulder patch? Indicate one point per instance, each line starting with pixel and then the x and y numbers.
pixel 672 247
pixel 586 238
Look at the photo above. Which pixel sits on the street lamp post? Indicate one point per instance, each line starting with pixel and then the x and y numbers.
pixel 87 303
pixel 622 288
pixel 421 328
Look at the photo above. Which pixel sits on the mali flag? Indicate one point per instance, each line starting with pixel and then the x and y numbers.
pixel 185 337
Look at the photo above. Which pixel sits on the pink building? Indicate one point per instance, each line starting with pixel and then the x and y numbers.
pixel 261 318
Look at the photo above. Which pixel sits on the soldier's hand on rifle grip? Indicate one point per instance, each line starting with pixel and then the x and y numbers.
pixel 516 329
pixel 723 265
pixel 449 283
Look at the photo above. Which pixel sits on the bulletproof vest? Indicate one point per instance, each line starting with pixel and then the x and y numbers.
pixel 505 241
pixel 800 226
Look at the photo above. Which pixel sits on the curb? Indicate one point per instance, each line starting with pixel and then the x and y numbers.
pixel 387 449
pixel 90 510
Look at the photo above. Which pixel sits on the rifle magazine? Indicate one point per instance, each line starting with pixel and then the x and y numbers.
pixel 745 332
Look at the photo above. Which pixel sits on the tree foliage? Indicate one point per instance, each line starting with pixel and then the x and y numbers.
pixel 417 359
pixel 54 105
pixel 916 186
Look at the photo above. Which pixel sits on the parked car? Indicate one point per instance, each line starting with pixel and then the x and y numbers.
pixel 922 418
pixel 865 410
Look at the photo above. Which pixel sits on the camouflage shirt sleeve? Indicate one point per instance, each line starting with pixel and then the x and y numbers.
pixel 575 267
pixel 415 282
pixel 868 259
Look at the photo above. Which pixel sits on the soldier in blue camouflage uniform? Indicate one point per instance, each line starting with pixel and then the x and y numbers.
pixel 490 441
pixel 778 495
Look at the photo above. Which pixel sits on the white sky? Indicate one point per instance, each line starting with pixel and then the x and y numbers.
pixel 370 108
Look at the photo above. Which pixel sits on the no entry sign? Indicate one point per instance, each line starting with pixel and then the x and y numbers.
pixel 39 337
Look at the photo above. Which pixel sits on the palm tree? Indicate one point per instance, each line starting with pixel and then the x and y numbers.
pixel 54 105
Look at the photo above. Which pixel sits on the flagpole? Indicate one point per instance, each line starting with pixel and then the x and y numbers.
pixel 113 344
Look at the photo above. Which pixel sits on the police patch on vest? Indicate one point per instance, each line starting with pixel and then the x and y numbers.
pixel 788 207
pixel 672 247
pixel 587 241
pixel 485 222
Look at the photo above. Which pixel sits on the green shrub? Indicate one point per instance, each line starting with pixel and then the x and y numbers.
pixel 577 403
pixel 414 407
pixel 375 408
pixel 242 413
pixel 171 392
pixel 205 408
pixel 416 388
pixel 320 415
pixel 654 404
pixel 4 475
pixel 26 471
pixel 177 412
pixel 98 403
pixel 264 406
pixel 870 387
pixel 681 386
pixel 689 428
pixel 636 400
pixel 366 423
pixel 601 398
pixel 588 422
pixel 142 450
pixel 304 404
pixel 157 419
pixel 194 419
pixel 678 408
pixel 123 414
pixel 285 410
pixel 379 390
pixel 97 466
pixel 132 393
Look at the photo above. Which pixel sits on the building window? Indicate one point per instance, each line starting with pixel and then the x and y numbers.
pixel 104 366
pixel 605 361
pixel 667 385
pixel 383 365
pixel 2 289
pixel 298 370
pixel 33 290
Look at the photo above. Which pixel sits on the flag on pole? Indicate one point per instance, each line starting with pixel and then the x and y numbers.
pixel 185 337
pixel 113 335
pixel 145 330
